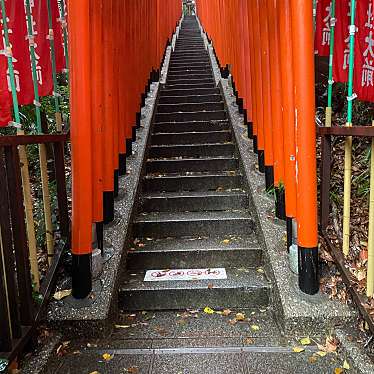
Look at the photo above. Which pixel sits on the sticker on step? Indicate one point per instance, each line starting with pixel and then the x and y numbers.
pixel 185 274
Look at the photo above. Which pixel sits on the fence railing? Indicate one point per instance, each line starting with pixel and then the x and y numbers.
pixel 20 310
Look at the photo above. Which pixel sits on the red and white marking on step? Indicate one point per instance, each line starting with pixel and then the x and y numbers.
pixel 185 274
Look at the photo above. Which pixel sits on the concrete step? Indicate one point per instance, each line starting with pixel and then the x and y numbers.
pixel 189 75
pixel 180 69
pixel 190 126
pixel 189 53
pixel 189 91
pixel 240 290
pixel 165 224
pixel 191 116
pixel 190 107
pixel 195 252
pixel 184 65
pixel 220 136
pixel 192 81
pixel 192 150
pixel 204 181
pixel 192 165
pixel 216 98
pixel 203 58
pixel 189 86
pixel 194 201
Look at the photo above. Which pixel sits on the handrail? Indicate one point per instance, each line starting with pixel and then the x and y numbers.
pixel 358 131
pixel 9 140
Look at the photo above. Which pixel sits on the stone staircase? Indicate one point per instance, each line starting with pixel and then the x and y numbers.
pixel 194 212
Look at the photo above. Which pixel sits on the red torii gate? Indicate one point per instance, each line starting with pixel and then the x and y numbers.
pixel 114 45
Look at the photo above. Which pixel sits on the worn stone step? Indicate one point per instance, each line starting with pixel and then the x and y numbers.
pixel 191 81
pixel 190 107
pixel 195 252
pixel 220 136
pixel 190 99
pixel 191 116
pixel 179 69
pixel 203 181
pixel 194 201
pixel 191 65
pixel 190 126
pixel 192 150
pixel 190 86
pixel 189 75
pixel 189 91
pixel 240 290
pixel 163 225
pixel 203 58
pixel 192 165
pixel 190 53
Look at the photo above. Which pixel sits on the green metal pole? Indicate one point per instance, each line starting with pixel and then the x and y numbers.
pixel 331 60
pixel 8 51
pixel 64 27
pixel 54 74
pixel 348 140
pixel 30 36
pixel 352 31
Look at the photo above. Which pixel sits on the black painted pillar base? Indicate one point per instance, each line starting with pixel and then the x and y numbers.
pixel 240 103
pixel 100 236
pixel 81 276
pixel 128 147
pixel 250 130
pixel 143 96
pixel 269 177
pixel 280 203
pixel 157 75
pixel 289 232
pixel 261 160
pixel 137 124
pixel 108 206
pixel 116 183
pixel 308 270
pixel 122 164
pixel 133 134
pixel 255 146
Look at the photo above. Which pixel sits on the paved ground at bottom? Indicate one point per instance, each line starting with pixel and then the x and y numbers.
pixel 194 342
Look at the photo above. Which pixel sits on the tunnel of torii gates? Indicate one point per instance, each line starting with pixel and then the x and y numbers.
pixel 108 54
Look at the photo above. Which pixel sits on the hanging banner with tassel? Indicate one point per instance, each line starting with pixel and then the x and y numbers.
pixel 364 51
pixel 5 96
pixel 323 28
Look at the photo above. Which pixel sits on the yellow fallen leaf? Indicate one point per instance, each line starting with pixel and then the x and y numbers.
pixel 122 326
pixel 338 370
pixel 226 312
pixel 59 295
pixel 226 241
pixel 255 327
pixel 107 356
pixel 305 341
pixel 298 349
pixel 260 270
pixel 312 359
pixel 240 316
pixel 346 365
pixel 321 353
pixel 94 372
pixel 208 310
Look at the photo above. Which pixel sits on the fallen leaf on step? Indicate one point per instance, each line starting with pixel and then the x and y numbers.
pixel 59 295
pixel 312 359
pixel 331 345
pixel 321 353
pixel 240 316
pixel 210 285
pixel 346 365
pixel 133 370
pixel 107 356
pixel 226 312
pixel 94 372
pixel 208 310
pixel 122 326
pixel 260 270
pixel 298 349
pixel 305 341
pixel 338 371
pixel 226 241
pixel 255 328
pixel 248 341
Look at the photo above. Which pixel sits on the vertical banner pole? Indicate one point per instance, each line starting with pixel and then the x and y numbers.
pixel 370 266
pixel 348 139
pixel 54 74
pixel 42 147
pixel 23 160
pixel 328 116
pixel 64 26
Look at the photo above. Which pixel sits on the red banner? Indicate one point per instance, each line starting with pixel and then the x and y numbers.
pixel 341 40
pixel 364 51
pixel 5 99
pixel 58 38
pixel 322 35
